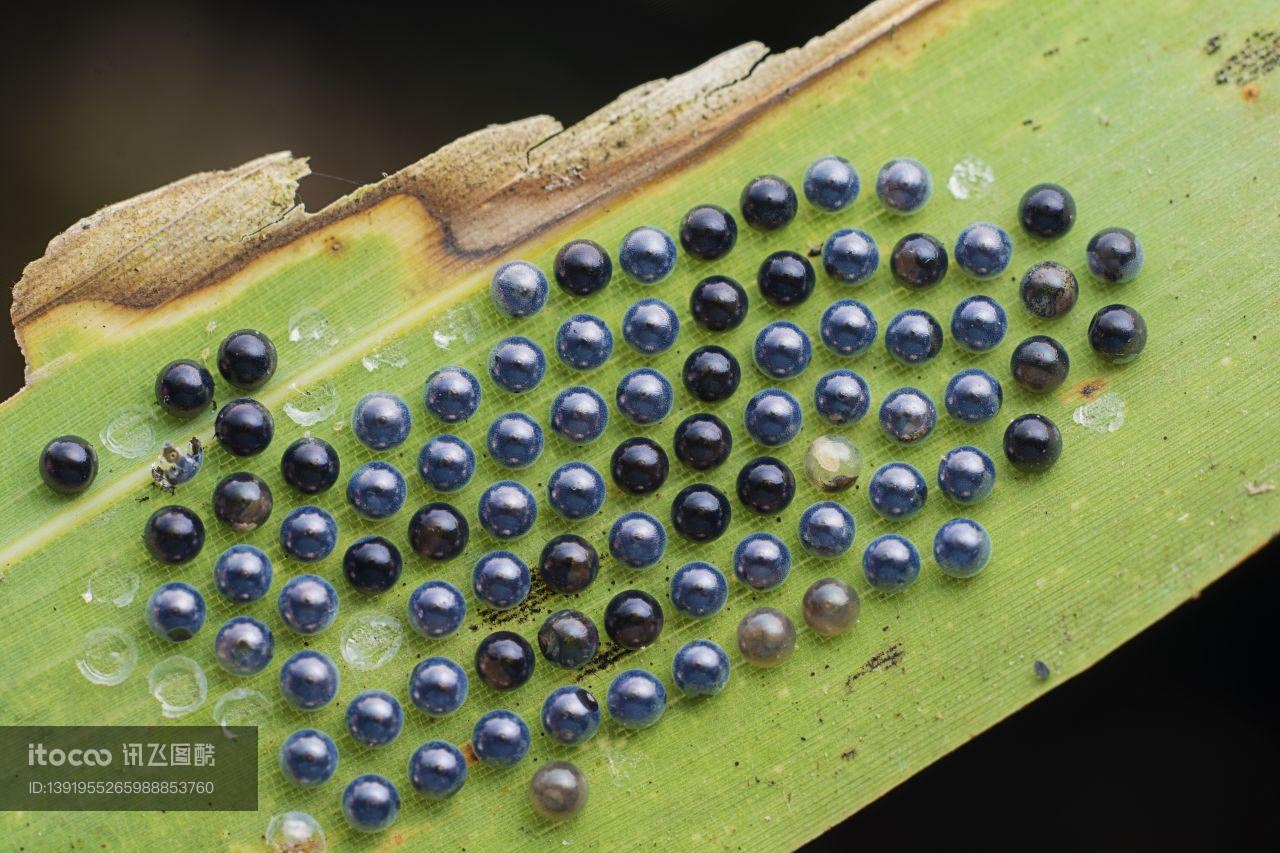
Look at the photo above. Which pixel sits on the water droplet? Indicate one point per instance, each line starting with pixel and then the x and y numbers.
pixel 295 832
pixel 971 178
pixel 130 433
pixel 313 404
pixel 371 639
pixel 459 325
pixel 108 656
pixel 114 585
pixel 1105 414
pixel 390 355
pixel 179 685
pixel 241 707
pixel 312 330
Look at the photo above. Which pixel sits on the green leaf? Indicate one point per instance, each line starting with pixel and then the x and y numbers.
pixel 1123 103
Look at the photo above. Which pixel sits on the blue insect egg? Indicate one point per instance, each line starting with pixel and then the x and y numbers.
pixel 176 611
pixel 966 475
pixel 568 638
pixel 500 738
pixel 907 415
pixel 446 463
pixel 636 699
pixel 979 323
pixel 718 303
pixel 310 465
pixel 517 364
pixel 374 718
pixel 772 417
pixel 575 490
pixel 700 668
pixel 826 529
pixel 890 563
pixel 514 440
pixel 708 232
pixel 831 183
pixel 768 203
pixel 579 414
pixel 983 250
pixel 650 326
pixel 371 803
pixel 570 715
pixel 762 561
pixel 381 420
pixel 699 589
pixel 647 254
pixel 782 350
pixel 848 327
pixel 519 289
pixel 376 490
pixel 582 267
pixel 644 396
pixel 1114 255
pixel 918 261
pixel 638 540
pixel 308 604
pixel 973 396
pixel 438 686
pixel 1117 333
pixel 244 646
pixel 850 256
pixel 904 185
pixel 308 758
pixel 309 680
pixel 842 397
pixel 913 336
pixel 436 609
pixel 961 547
pixel 309 534
pixel 500 579
pixel 242 573
pixel 507 510
pixel 437 770
pixel 504 660
pixel 372 565
pixel 452 394
pixel 785 278
pixel 897 491
pixel 584 342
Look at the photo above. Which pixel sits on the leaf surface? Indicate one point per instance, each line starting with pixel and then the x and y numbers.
pixel 1123 103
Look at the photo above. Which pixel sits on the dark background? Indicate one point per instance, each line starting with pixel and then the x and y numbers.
pixel 1170 742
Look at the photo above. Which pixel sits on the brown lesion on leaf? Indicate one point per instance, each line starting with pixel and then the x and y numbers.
pixel 1086 390
pixel 469 754
pixel 887 658
pixel 487 192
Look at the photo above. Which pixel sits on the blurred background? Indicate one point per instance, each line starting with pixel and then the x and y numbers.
pixel 1171 742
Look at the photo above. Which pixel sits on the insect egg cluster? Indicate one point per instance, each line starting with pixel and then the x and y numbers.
pixel 690 455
